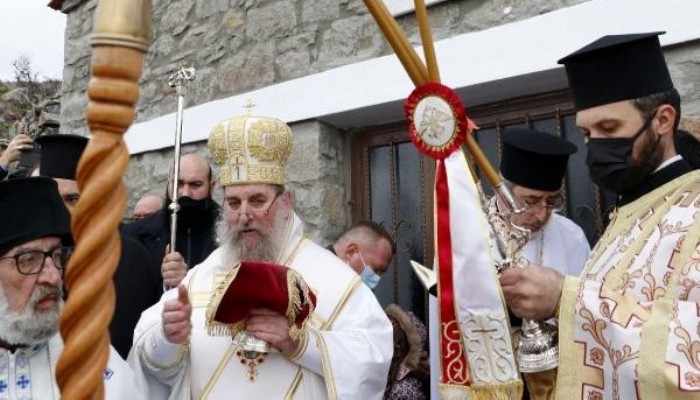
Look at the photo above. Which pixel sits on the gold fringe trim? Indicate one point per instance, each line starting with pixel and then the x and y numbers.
pixel 298 295
pixel 495 391
pixel 215 328
pixel 301 348
pixel 298 291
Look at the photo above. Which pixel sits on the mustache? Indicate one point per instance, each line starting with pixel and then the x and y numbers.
pixel 235 230
pixel 43 292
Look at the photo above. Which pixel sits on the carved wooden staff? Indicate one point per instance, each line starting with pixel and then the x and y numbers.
pixel 120 38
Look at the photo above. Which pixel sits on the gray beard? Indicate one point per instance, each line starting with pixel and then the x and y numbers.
pixel 29 326
pixel 235 249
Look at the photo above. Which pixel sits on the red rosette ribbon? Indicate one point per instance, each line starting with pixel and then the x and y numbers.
pixel 438 125
pixel 437 122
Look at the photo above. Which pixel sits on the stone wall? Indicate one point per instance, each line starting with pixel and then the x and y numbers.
pixel 684 65
pixel 242 45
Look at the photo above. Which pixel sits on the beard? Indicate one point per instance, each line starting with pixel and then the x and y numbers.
pixel 237 246
pixel 30 326
pixel 652 155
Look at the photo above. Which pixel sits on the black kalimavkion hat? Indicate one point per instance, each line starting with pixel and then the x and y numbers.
pixel 616 68
pixel 60 155
pixel 534 159
pixel 32 209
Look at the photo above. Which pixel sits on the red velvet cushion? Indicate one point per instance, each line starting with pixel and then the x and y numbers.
pixel 265 285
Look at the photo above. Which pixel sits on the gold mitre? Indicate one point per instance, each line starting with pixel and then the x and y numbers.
pixel 250 149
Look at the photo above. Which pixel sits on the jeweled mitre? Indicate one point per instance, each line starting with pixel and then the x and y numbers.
pixel 251 149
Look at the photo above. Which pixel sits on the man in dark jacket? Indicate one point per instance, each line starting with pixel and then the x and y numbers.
pixel 136 288
pixel 196 223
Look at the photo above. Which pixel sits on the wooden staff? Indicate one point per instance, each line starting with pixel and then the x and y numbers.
pixel 120 38
pixel 426 37
pixel 421 75
pixel 397 39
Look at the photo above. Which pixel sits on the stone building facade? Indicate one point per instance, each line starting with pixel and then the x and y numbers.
pixel 254 49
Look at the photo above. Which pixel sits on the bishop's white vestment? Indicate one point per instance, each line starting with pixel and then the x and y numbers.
pixel 347 354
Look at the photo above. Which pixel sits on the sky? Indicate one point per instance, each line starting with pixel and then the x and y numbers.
pixel 32 29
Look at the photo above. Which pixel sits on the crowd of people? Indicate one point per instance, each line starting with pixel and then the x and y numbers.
pixel 625 312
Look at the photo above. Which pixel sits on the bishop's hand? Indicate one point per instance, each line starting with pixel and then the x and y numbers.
pixel 177 313
pixel 273 328
pixel 532 292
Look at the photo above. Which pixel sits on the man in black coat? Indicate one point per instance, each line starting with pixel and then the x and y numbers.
pixel 196 223
pixel 136 287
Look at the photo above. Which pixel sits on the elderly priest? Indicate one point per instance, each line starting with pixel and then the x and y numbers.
pixel 35 244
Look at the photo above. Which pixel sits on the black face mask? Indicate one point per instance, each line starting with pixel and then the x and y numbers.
pixel 195 213
pixel 611 166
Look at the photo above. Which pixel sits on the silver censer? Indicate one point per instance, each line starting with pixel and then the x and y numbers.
pixel 537 348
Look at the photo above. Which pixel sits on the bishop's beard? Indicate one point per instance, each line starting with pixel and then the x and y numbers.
pixel 30 326
pixel 236 247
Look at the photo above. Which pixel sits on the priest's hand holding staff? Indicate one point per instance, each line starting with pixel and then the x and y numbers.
pixel 173 269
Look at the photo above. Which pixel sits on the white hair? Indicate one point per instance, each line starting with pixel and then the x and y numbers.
pixel 29 326
pixel 235 250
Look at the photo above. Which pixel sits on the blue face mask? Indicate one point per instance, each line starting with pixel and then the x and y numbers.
pixel 369 277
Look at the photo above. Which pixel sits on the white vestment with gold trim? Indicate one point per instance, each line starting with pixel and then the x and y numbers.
pixel 560 245
pixel 30 373
pixel 629 326
pixel 349 349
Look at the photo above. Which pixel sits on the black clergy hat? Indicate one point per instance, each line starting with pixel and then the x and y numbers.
pixel 616 68
pixel 32 209
pixel 534 159
pixel 60 155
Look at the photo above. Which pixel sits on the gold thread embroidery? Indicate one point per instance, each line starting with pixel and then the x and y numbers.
pixel 217 372
pixel 295 385
pixel 216 328
pixel 341 304
pixel 269 140
pixel 301 348
pixel 326 363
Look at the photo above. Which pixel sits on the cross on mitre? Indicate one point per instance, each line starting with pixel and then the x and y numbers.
pixel 248 107
pixel 238 162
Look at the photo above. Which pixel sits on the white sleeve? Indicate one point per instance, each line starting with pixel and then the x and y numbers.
pixel 354 354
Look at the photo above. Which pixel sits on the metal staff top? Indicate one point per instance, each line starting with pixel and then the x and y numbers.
pixel 178 80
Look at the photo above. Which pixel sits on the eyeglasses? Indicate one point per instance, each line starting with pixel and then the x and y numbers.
pixel 32 262
pixel 551 204
pixel 254 208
